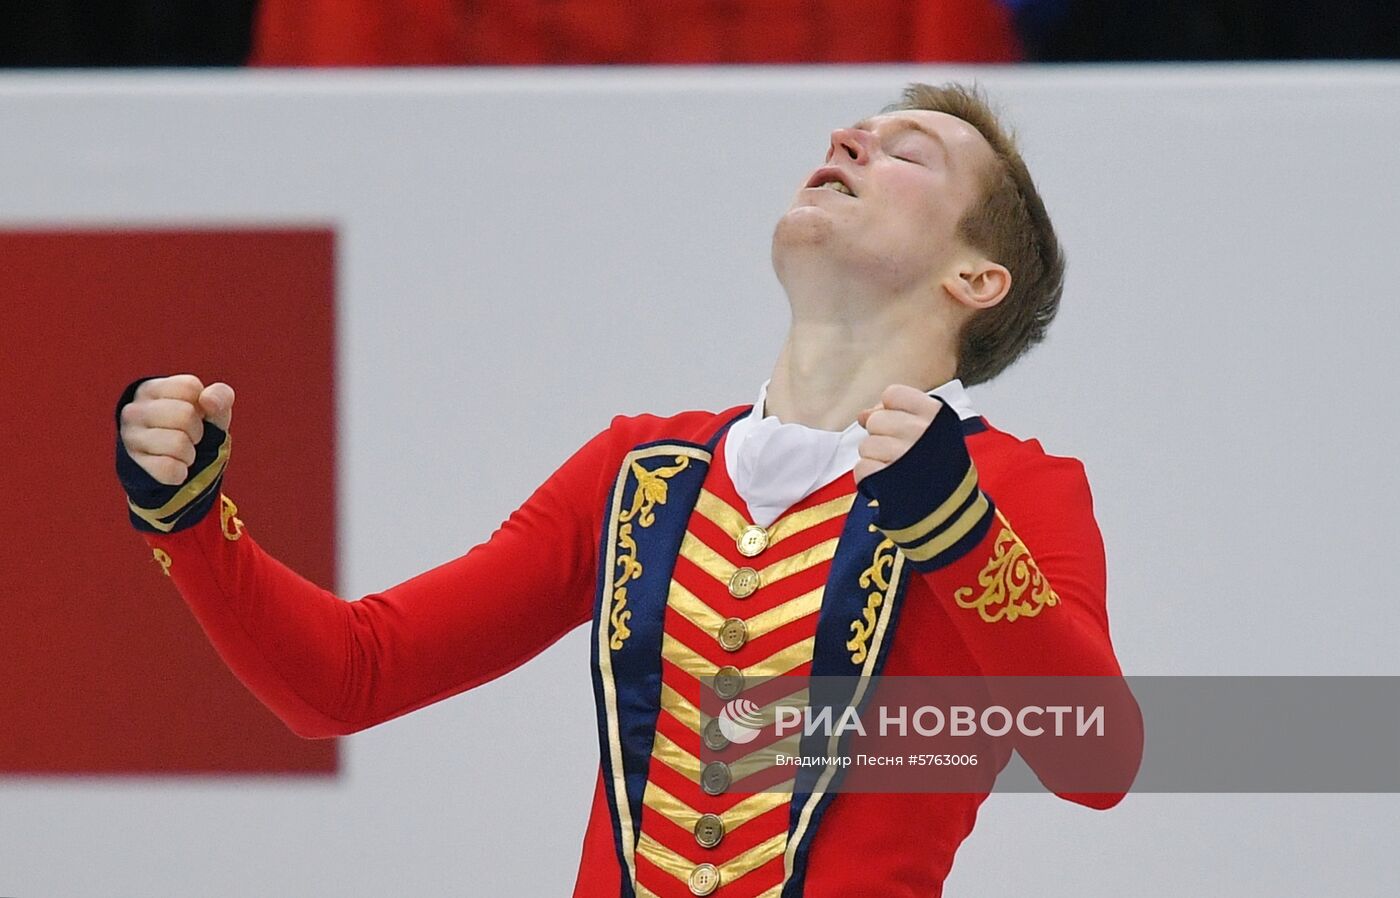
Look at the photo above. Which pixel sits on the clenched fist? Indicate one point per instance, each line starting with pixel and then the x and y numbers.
pixel 902 416
pixel 164 422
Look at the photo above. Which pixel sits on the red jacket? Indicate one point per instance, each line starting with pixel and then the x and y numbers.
pixel 974 597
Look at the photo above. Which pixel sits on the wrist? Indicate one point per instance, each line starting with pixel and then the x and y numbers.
pixel 155 507
pixel 929 501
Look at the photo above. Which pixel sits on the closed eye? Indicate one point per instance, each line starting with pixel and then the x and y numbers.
pixel 901 149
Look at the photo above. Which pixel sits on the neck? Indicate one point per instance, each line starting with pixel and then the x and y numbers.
pixel 834 364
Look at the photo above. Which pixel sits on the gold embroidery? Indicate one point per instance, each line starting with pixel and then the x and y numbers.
pixel 227 512
pixel 804 817
pixel 1012 584
pixel 163 559
pixel 876 579
pixel 631 569
pixel 613 727
pixel 650 492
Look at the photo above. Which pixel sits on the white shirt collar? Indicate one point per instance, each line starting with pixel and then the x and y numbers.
pixel 774 465
pixel 953 394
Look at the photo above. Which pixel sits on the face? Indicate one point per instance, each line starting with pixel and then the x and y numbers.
pixel 885 205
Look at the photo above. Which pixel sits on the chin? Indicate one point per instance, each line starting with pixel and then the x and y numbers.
pixel 803 226
pixel 807 245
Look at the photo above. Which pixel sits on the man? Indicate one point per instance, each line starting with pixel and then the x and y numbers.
pixel 852 522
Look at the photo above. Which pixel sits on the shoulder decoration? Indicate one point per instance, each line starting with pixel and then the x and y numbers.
pixel 1012 585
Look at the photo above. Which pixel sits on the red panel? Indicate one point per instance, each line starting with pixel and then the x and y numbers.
pixel 105 671
pixel 596 32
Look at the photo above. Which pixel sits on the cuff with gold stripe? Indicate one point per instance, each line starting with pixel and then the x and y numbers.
pixel 928 501
pixel 155 507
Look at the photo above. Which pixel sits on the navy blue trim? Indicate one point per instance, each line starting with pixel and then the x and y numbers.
pixel 974 425
pixel 964 545
pixel 843 601
pixel 600 608
pixel 636 667
pixel 724 428
pixel 923 477
pixel 145 491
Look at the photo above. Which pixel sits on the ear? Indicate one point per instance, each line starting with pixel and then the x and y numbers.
pixel 978 284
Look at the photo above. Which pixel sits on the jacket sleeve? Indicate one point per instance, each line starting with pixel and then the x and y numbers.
pixel 330 667
pixel 1024 580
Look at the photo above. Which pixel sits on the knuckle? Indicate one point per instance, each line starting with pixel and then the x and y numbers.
pixel 150 389
pixel 175 443
pixel 186 383
pixel 166 470
pixel 135 439
pixel 177 386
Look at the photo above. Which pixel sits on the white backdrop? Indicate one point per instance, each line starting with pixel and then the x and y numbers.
pixel 524 254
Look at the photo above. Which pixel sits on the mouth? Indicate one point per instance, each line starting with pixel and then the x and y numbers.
pixel 831 178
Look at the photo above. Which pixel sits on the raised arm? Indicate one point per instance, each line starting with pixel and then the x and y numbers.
pixel 1023 578
pixel 324 665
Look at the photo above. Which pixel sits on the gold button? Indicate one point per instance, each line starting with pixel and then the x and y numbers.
pixel 733 633
pixel 753 540
pixel 715 778
pixel 704 879
pixel 709 829
pixel 743 582
pixel 729 682
pixel 713 736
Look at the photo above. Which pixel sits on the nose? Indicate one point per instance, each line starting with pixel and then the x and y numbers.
pixel 854 142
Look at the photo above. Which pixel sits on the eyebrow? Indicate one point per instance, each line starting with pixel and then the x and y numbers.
pixel 904 124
